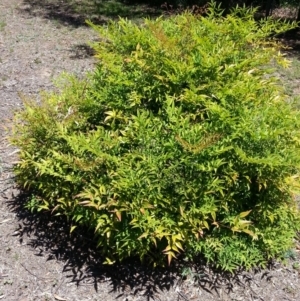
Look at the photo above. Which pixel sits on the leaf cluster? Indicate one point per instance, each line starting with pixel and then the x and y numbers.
pixel 180 141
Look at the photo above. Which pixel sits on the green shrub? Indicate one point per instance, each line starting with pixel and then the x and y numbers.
pixel 180 141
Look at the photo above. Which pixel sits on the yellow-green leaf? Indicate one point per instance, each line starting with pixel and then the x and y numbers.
pixel 205 224
pixel 213 214
pixel 72 229
pixel 109 261
pixel 179 245
pixel 119 215
pixel 143 235
pixel 245 213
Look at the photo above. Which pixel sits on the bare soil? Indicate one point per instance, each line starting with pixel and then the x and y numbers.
pixel 39 259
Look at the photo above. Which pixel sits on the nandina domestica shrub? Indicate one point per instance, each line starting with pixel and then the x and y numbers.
pixel 180 141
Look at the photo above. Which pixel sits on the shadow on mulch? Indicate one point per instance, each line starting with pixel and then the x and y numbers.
pixel 81 51
pixel 50 236
pixel 291 39
pixel 75 13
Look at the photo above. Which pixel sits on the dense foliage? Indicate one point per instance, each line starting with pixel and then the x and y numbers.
pixel 181 140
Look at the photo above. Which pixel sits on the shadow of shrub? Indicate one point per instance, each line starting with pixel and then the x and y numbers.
pixel 50 237
pixel 75 13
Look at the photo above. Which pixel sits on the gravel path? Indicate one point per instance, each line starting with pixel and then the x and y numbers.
pixel 39 259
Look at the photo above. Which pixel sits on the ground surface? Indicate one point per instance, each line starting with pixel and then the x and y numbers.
pixel 39 260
